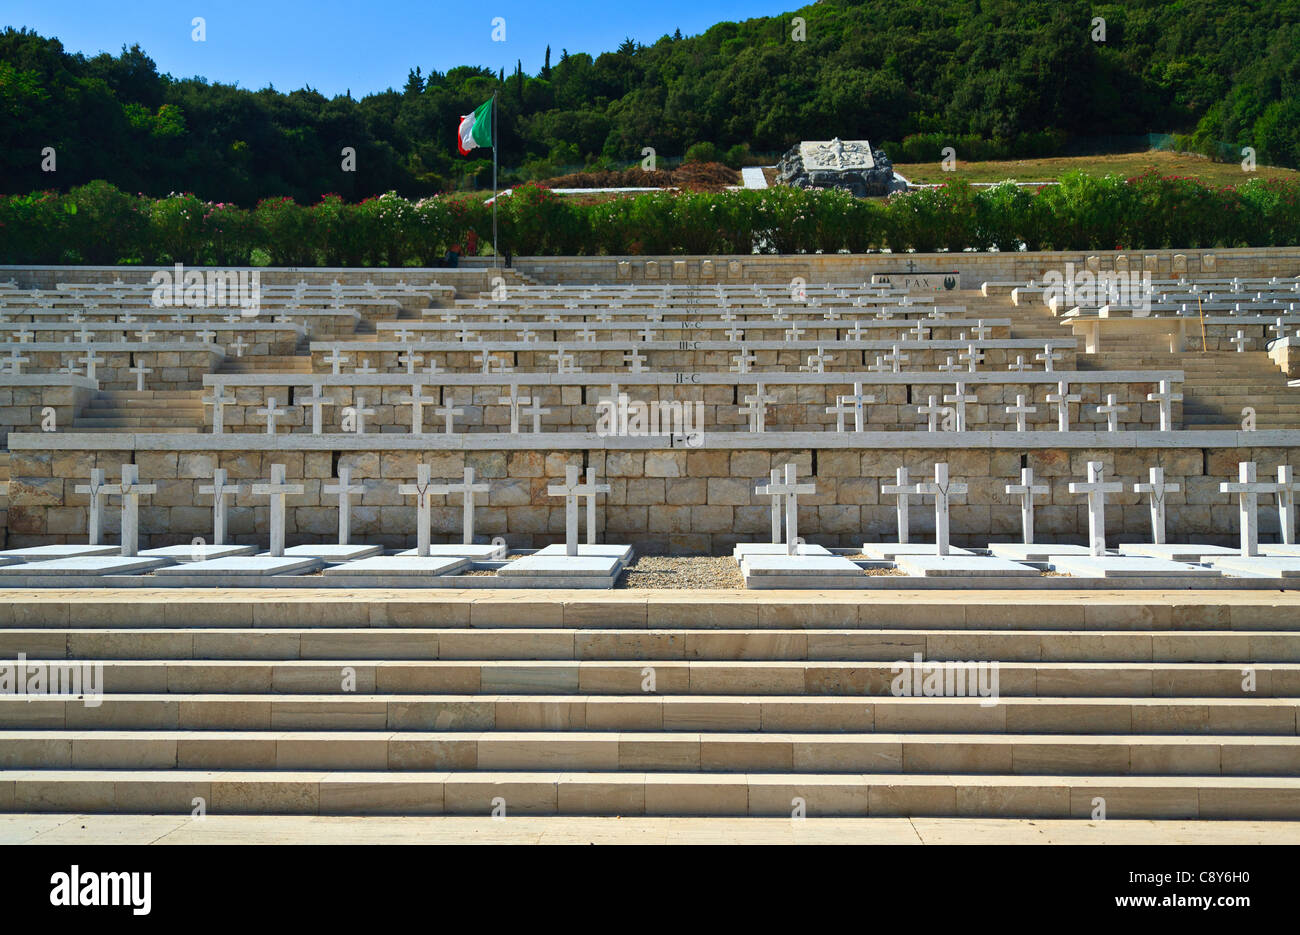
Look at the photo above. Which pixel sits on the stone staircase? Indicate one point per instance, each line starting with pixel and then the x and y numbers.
pixel 160 411
pixel 562 704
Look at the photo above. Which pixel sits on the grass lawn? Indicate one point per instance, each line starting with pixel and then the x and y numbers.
pixel 1125 164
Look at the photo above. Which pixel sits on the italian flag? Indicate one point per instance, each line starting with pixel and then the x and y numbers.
pixel 475 128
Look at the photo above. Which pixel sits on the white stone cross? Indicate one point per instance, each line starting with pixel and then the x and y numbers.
pixel 973 357
pixel 86 336
pixel 932 411
pixel 1019 366
pixel 839 410
pixel 647 333
pixel 564 363
pixel 1026 490
pixel 16 362
pixel 1166 398
pixel 449 412
pixel 817 362
pixel 959 398
pixel 635 360
pixel 1238 341
pixel 417 401
pixel 336 360
pixel 1062 398
pixel 139 370
pixel 277 490
pixel 514 401
pixel 790 489
pixel 130 490
pixel 880 366
pixel 271 413
pixel 949 366
pixel 920 330
pixel 218 401
pixel 536 411
pixel 757 409
pixel 239 345
pixel 1111 411
pixel 317 403
pixel 764 490
pixel 1020 411
pixel 206 336
pixel 860 401
pixel 571 490
pixel 24 335
pixel 1285 495
pixel 365 369
pixel 981 330
pixel 858 333
pixel 1048 357
pixel 941 489
pixel 94 509
pixel 735 334
pixel 903 490
pixel 1096 488
pixel 528 336
pixel 1248 490
pixel 144 334
pixel 588 336
pixel 219 489
pixel 1157 488
pixel 403 335
pixel 464 335
pixel 359 413
pixel 794 331
pixel 344 490
pixel 466 489
pixel 897 358
pixel 410 360
pixel 422 490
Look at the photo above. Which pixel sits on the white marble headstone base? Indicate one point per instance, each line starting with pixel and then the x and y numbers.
pixel 799 565
pixel 190 553
pixel 561 568
pixel 1037 552
pixel 332 552
pixel 40 553
pixel 744 549
pixel 597 550
pixel 1129 566
pixel 1268 566
pixel 887 551
pixel 963 566
pixel 1279 550
pixel 477 552
pixel 242 567
pixel 86 565
pixel 383 566
pixel 1174 552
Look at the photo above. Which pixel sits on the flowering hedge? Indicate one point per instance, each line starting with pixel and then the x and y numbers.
pixel 98 224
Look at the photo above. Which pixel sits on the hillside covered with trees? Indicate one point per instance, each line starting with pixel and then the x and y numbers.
pixel 1002 76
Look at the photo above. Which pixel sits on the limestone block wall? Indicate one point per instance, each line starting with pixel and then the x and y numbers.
pixel 797 407
pixel 174 366
pixel 24 401
pixel 661 500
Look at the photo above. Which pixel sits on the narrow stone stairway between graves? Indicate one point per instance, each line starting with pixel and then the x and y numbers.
pixel 154 411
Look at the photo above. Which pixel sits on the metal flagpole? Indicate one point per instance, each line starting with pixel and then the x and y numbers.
pixel 495 255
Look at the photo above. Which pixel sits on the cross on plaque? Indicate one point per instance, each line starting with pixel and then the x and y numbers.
pixel 1026 490
pixel 1062 398
pixel 1020 410
pixel 1111 411
pixel 757 409
pixel 1166 398
pixel 941 488
pixel 1048 356
pixel 277 490
pixel 903 490
pixel 466 489
pixel 94 510
pixel 344 490
pixel 1096 488
pixel 1157 488
pixel 219 489
pixel 571 490
pixel 959 398
pixel 130 490
pixel 1248 490
pixel 271 413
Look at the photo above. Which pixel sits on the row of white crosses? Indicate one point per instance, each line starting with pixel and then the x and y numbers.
pixel 941 489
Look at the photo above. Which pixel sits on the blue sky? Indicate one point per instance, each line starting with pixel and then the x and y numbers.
pixel 334 45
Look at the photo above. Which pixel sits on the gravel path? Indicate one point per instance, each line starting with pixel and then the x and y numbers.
pixel 694 571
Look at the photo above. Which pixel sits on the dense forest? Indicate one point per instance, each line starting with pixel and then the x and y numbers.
pixel 1026 76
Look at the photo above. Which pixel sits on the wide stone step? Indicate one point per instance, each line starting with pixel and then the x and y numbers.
pixel 878 645
pixel 1021 754
pixel 784 713
pixel 681 677
pixel 313 792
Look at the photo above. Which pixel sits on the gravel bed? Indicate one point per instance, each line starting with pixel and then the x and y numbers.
pixel 693 571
